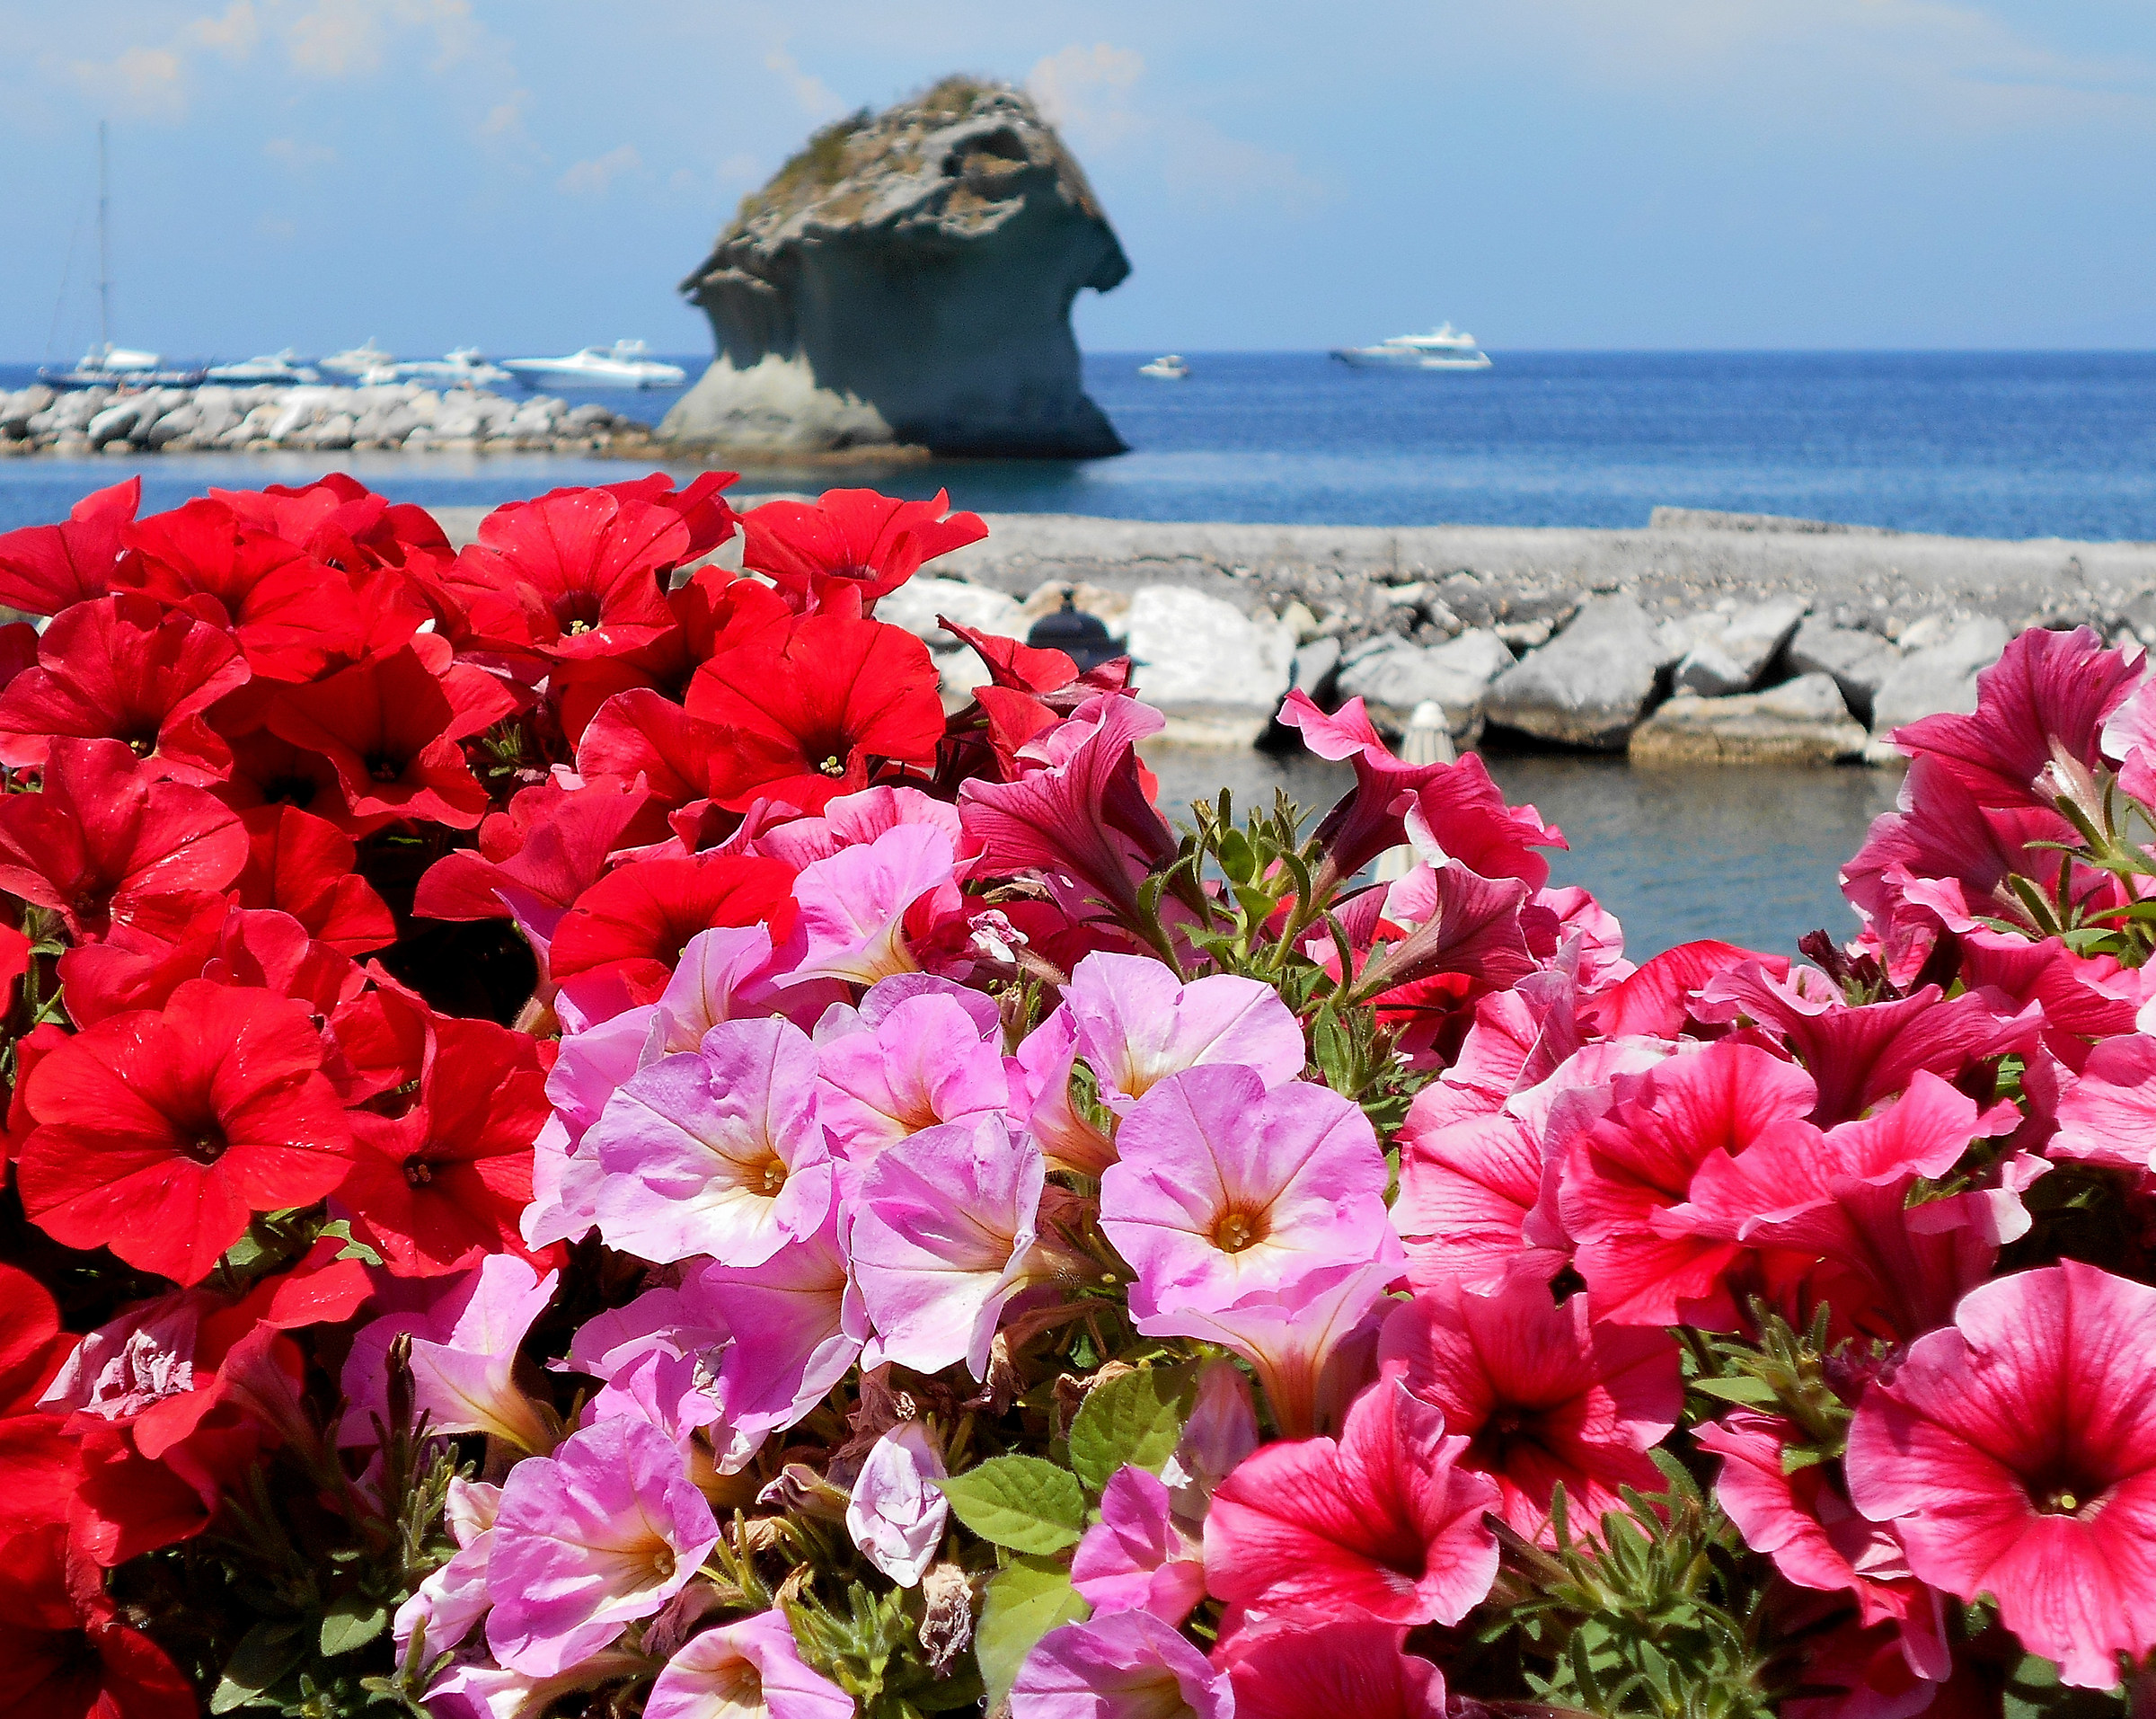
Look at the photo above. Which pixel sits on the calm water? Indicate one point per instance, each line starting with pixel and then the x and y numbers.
pixel 2005 445
pixel 1748 855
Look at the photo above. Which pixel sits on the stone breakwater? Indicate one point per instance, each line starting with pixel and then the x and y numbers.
pixel 310 417
pixel 1705 638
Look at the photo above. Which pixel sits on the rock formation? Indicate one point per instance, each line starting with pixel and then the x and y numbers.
pixel 908 279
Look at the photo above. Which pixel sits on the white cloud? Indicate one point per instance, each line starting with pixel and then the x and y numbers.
pixel 298 155
pixel 233 35
pixel 814 96
pixel 1093 95
pixel 596 177
pixel 339 39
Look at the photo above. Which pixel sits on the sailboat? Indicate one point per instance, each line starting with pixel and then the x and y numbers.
pixel 105 365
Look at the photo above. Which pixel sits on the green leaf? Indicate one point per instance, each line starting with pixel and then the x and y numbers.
pixel 2035 1692
pixel 1744 1387
pixel 1019 1502
pixel 1026 1600
pixel 352 1621
pixel 265 1655
pixel 1133 1418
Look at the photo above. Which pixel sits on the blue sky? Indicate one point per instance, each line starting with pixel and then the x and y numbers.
pixel 532 174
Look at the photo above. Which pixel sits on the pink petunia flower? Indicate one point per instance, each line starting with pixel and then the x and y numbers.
pixel 1222 1430
pixel 1545 1396
pixel 1126 1665
pixel 943 1238
pixel 451 1600
pixel 924 1063
pixel 865 909
pixel 716 1152
pixel 895 1515
pixel 1137 1025
pixel 1223 1189
pixel 1384 1524
pixel 1342 1668
pixel 749 1670
pixel 1041 1072
pixel 2014 1453
pixel 464 1340
pixel 604 1531
pixel 1138 1557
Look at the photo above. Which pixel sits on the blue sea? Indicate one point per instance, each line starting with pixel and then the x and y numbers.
pixel 2000 445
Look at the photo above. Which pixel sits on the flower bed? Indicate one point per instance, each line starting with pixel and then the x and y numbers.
pixel 579 1144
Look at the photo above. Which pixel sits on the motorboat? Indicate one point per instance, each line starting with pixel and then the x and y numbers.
pixel 1442 349
pixel 1168 368
pixel 464 367
pixel 286 366
pixel 358 360
pixel 626 364
pixel 106 366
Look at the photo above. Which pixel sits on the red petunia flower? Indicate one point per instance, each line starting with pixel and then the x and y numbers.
pixel 808 716
pixel 440 1187
pixel 104 832
pixel 305 865
pixel 64 1653
pixel 873 543
pixel 159 1135
pixel 390 729
pixel 633 922
pixel 43 569
pixel 122 669
pixel 574 573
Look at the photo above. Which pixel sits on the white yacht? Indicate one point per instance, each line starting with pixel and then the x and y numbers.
pixel 465 368
pixel 107 365
pixel 1168 368
pixel 1442 349
pixel 626 364
pixel 358 360
pixel 286 366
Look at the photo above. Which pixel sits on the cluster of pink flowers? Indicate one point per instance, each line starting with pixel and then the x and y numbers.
pixel 919 1229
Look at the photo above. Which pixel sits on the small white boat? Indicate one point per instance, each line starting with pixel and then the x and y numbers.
pixel 286 366
pixel 1168 368
pixel 465 368
pixel 106 366
pixel 1442 349
pixel 626 364
pixel 358 360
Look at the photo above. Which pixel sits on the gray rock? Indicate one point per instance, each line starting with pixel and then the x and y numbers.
pixel 182 421
pixel 1732 655
pixel 1455 676
pixel 908 277
pixel 1859 662
pixel 1935 677
pixel 915 605
pixel 1314 666
pixel 1589 686
pixel 1216 673
pixel 1800 721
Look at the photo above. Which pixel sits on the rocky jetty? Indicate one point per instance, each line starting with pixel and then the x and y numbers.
pixel 907 279
pixel 401 415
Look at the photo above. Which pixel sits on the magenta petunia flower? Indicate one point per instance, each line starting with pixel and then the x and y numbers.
pixel 463 1356
pixel 1545 1394
pixel 1126 1665
pixel 604 1531
pixel 858 906
pixel 1136 1024
pixel 941 1239
pixel 1138 1557
pixel 749 1670
pixel 1335 1668
pixel 925 1062
pixel 1223 1189
pixel 718 1152
pixel 1384 1524
pixel 2014 1452
pixel 895 1515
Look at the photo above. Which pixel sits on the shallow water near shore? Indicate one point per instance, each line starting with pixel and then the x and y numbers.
pixel 1748 855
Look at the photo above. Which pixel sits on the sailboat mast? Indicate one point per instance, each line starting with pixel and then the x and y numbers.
pixel 104 270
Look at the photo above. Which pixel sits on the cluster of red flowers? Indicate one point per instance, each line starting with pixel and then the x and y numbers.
pixel 245 730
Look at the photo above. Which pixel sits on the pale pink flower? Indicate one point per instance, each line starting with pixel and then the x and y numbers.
pixel 716 1152
pixel 853 820
pixel 2014 1452
pixel 1040 1084
pixel 1222 1430
pixel 1544 1396
pixel 604 1531
pixel 1137 1025
pixel 453 1599
pixel 1223 1189
pixel 659 1356
pixel 1384 1524
pixel 942 1238
pixel 1138 1557
pixel 924 1063
pixel 895 1515
pixel 749 1670
pixel 135 1361
pixel 1126 1665
pixel 464 1357
pixel 856 906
